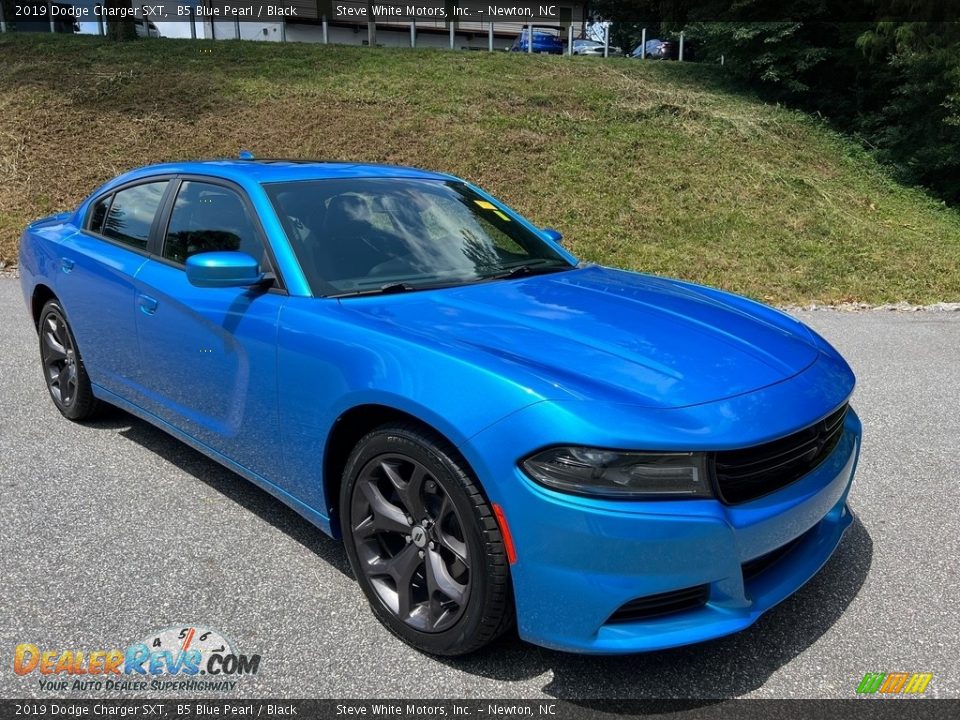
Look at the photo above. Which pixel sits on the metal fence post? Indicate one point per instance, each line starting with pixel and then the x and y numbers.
pixel 453 31
pixel 236 29
pixel 680 58
pixel 570 40
pixel 283 30
pixel 193 24
pixel 643 44
pixel 3 20
pixel 101 31
pixel 413 33
pixel 326 30
pixel 490 38
pixel 53 26
pixel 530 39
pixel 606 39
pixel 371 34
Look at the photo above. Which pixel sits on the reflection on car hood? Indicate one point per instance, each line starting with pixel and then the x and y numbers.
pixel 604 334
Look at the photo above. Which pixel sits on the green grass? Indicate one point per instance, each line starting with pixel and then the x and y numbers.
pixel 657 167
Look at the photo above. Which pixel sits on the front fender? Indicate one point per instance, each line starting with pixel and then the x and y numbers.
pixel 329 363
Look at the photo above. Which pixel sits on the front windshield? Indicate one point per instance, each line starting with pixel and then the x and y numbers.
pixel 365 235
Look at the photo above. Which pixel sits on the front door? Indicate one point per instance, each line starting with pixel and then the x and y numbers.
pixel 208 355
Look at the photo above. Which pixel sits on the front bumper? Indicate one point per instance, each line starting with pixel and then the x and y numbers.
pixel 580 559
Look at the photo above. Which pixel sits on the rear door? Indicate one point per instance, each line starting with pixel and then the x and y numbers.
pixel 95 281
pixel 209 355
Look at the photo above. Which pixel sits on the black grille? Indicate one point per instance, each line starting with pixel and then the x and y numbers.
pixel 754 567
pixel 750 473
pixel 661 604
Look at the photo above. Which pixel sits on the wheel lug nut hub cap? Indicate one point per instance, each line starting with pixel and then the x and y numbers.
pixel 418 536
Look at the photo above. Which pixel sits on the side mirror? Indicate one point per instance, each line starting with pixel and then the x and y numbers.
pixel 223 269
pixel 554 235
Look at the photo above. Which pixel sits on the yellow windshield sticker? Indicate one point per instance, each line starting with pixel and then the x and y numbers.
pixel 490 206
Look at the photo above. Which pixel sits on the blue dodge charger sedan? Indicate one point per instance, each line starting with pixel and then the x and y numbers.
pixel 613 461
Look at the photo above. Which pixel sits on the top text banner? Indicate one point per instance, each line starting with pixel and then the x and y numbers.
pixel 473 11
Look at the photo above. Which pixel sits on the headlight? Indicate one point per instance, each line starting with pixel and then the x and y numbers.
pixel 610 473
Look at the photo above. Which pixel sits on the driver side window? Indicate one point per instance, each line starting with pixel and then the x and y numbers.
pixel 209 218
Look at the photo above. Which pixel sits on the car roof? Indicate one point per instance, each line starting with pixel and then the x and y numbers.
pixel 270 170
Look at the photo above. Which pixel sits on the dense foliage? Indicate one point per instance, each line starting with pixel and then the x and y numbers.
pixel 892 83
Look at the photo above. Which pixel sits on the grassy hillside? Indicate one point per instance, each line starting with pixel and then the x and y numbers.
pixel 642 165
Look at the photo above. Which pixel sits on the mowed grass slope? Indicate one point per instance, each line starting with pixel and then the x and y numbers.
pixel 648 166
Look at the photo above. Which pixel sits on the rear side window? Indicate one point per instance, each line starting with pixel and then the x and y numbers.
pixel 209 218
pixel 131 214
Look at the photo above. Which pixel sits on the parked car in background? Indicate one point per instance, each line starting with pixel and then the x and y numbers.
pixel 657 50
pixel 583 46
pixel 545 40
pixel 147 29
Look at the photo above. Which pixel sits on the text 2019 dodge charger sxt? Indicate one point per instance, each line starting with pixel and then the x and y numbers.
pixel 621 462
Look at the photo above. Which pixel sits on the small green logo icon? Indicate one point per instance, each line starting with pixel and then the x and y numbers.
pixel 894 683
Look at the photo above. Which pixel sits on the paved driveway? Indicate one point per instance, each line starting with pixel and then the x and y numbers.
pixel 112 530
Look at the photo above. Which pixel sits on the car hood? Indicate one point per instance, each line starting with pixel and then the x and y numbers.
pixel 602 334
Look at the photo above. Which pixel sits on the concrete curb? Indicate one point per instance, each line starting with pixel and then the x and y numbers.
pixel 865 307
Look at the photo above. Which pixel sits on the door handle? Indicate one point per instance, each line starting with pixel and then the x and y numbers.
pixel 148 305
pixel 66 264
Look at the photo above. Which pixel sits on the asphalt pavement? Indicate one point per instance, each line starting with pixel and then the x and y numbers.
pixel 112 530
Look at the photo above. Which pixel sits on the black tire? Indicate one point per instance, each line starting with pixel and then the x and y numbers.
pixel 63 370
pixel 450 562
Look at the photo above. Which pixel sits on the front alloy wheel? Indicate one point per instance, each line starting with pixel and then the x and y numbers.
pixel 411 546
pixel 423 542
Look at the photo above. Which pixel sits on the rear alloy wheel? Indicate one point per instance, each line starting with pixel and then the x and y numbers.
pixel 63 368
pixel 423 542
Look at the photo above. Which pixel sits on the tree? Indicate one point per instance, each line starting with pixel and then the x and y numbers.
pixel 121 24
pixel 8 6
pixel 916 122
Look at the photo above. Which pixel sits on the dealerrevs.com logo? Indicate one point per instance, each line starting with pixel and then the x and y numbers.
pixel 189 658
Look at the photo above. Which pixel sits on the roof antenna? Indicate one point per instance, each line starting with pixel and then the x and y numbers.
pixel 246 155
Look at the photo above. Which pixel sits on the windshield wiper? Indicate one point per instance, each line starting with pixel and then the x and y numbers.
pixel 397 287
pixel 526 270
pixel 388 289
pixel 402 287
